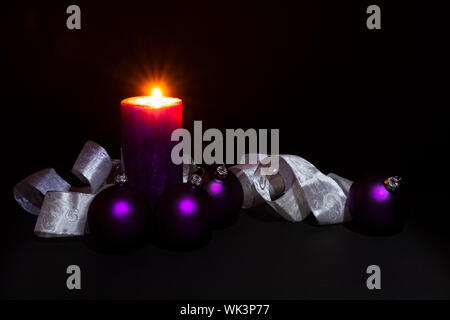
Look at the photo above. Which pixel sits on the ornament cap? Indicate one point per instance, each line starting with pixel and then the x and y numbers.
pixel 221 172
pixel 392 183
pixel 196 180
pixel 121 179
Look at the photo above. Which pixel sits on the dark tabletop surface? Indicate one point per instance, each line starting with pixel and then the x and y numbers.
pixel 257 258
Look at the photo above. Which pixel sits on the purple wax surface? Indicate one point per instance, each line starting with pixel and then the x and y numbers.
pixel 147 147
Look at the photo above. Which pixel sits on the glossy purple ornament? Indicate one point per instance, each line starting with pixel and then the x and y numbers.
pixel 118 218
pixel 375 205
pixel 226 193
pixel 181 219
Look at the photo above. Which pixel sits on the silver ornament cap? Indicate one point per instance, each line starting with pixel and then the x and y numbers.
pixel 221 172
pixel 392 183
pixel 196 180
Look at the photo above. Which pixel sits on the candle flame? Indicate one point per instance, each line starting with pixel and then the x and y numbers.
pixel 156 100
pixel 156 93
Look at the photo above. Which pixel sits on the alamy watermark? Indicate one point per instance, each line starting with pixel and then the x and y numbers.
pixel 73 21
pixel 374 280
pixel 74 280
pixel 257 142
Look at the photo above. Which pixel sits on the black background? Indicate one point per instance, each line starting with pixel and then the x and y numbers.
pixel 348 99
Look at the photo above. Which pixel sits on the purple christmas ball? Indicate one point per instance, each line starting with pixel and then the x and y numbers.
pixel 118 218
pixel 226 193
pixel 181 218
pixel 375 204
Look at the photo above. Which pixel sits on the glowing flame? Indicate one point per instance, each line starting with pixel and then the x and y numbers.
pixel 156 93
pixel 156 100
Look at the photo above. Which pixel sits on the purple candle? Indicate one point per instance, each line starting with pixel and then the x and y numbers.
pixel 147 126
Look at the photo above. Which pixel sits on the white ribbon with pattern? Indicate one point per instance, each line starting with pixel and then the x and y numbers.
pixel 295 190
pixel 62 208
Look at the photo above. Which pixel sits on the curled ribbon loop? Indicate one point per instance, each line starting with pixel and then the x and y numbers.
pixel 30 192
pixel 295 190
pixel 62 208
pixel 63 214
pixel 93 165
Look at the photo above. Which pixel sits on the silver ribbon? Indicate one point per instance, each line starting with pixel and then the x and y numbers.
pixel 295 190
pixel 62 208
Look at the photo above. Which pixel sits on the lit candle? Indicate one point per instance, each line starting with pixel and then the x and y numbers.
pixel 147 126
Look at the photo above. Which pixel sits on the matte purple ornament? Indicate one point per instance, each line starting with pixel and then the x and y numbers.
pixel 226 193
pixel 118 218
pixel 374 203
pixel 181 218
